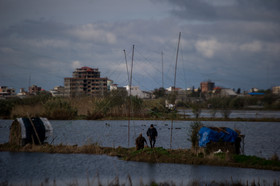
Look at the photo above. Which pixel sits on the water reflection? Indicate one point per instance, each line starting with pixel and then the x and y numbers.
pixel 19 168
pixel 151 172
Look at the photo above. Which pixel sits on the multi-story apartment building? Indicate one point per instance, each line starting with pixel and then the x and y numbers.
pixel 86 81
pixel 207 86
pixel 5 91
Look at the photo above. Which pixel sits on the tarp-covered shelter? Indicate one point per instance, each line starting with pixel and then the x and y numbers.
pixel 219 138
pixel 30 130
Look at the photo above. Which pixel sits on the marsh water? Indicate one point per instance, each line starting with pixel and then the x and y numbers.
pixel 261 139
pixel 252 114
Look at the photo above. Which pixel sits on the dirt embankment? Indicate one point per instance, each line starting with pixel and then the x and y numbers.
pixel 154 155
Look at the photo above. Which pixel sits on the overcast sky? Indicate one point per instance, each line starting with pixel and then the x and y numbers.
pixel 234 43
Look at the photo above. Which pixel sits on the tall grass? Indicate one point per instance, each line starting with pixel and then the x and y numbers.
pixel 27 110
pixel 117 104
pixel 58 108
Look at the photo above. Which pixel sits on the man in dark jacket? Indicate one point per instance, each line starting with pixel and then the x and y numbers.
pixel 140 140
pixel 152 135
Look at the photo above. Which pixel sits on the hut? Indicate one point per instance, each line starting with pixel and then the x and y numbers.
pixel 30 130
pixel 220 139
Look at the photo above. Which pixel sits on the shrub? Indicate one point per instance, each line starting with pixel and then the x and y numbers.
pixel 196 109
pixel 193 133
pixel 5 108
pixel 59 109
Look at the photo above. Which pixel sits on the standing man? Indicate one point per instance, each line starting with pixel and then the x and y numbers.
pixel 152 135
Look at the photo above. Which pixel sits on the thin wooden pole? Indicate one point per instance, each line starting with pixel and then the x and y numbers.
pixel 177 60
pixel 162 70
pixel 130 84
pixel 171 133
pixel 126 66
pixel 173 90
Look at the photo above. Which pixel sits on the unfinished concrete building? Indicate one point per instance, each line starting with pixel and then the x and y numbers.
pixel 86 81
pixel 207 86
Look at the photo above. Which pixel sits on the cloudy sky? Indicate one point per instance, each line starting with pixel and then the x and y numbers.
pixel 234 43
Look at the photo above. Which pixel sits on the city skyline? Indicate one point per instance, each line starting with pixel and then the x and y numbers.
pixel 235 44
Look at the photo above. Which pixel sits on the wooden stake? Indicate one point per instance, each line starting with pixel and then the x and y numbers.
pixel 34 129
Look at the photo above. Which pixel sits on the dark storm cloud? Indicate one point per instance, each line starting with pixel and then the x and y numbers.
pixel 234 43
pixel 231 41
pixel 54 49
pixel 205 10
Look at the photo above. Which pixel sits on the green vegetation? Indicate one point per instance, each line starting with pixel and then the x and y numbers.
pixel 192 133
pixel 253 161
pixel 196 109
pixel 154 155
pixel 268 101
pixel 118 105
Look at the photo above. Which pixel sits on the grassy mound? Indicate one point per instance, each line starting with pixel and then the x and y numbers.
pixel 154 155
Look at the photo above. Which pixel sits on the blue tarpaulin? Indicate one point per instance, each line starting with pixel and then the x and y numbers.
pixel 207 134
pixel 256 93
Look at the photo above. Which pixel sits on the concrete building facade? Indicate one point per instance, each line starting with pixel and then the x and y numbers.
pixel 34 90
pixel 58 91
pixel 5 91
pixel 135 91
pixel 207 86
pixel 86 81
pixel 276 90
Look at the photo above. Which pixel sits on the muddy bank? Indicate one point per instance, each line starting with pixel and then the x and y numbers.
pixel 155 155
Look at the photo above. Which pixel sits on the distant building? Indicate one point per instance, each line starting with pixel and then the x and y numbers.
pixel 34 90
pixel 135 91
pixel 276 90
pixel 86 81
pixel 227 92
pixel 6 92
pixel 170 89
pixel 224 92
pixel 207 86
pixel 58 91
pixel 113 87
pixel 22 93
pixel 253 90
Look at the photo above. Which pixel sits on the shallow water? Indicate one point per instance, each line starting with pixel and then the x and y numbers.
pixel 35 168
pixel 234 113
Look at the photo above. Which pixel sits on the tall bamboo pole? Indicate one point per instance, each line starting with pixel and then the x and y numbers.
pixel 129 108
pixel 162 70
pixel 173 90
pixel 126 66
